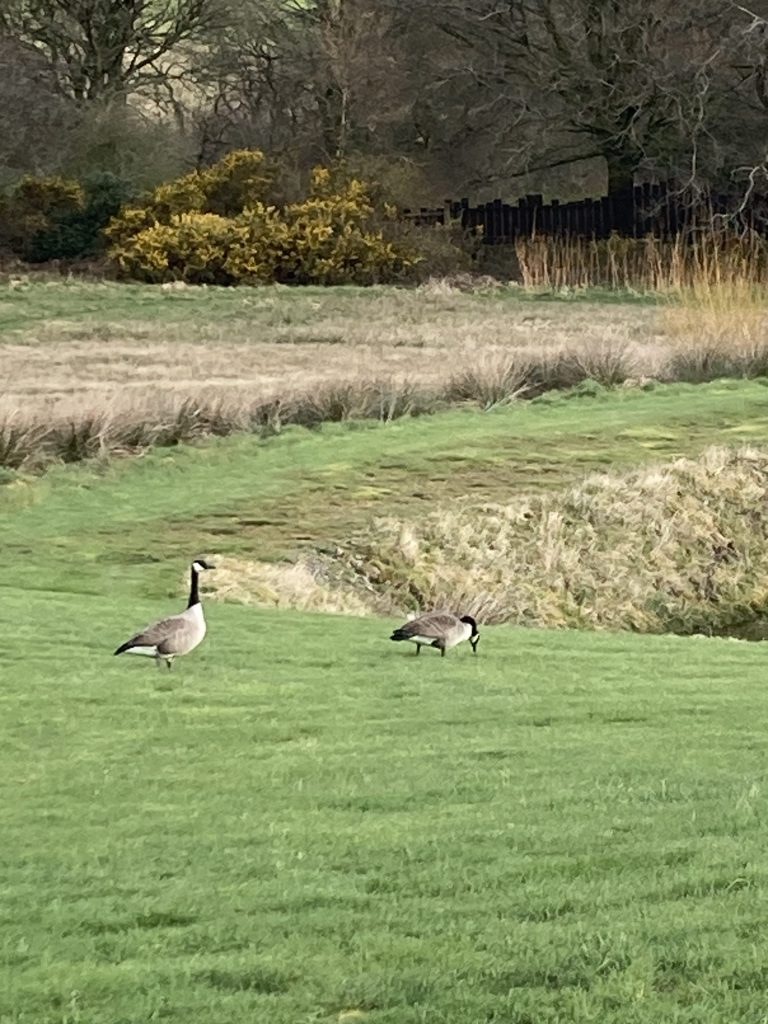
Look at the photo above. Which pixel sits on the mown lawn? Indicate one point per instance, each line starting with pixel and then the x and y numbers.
pixel 303 822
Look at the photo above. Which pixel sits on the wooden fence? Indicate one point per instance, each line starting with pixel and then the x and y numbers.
pixel 634 213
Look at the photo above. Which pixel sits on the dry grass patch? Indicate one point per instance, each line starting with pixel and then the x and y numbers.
pixel 676 548
pixel 298 585
pixel 129 344
pixel 188 364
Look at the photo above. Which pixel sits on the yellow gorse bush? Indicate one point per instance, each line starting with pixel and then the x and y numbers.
pixel 333 240
pixel 240 179
pixel 214 227
pixel 193 247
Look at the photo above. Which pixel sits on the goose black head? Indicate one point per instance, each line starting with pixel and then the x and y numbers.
pixel 474 638
pixel 200 565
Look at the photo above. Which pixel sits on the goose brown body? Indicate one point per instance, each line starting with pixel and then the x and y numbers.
pixel 176 635
pixel 439 629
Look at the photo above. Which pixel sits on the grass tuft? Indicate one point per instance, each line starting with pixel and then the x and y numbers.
pixel 610 362
pixel 489 379
pixel 21 441
pixel 85 437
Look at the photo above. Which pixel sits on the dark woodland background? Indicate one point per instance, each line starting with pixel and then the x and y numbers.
pixel 432 98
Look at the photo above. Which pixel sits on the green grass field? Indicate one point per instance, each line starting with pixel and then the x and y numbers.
pixel 303 822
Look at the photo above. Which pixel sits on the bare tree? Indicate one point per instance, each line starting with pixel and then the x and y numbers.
pixel 313 76
pixel 35 121
pixel 101 49
pixel 629 81
pixel 468 94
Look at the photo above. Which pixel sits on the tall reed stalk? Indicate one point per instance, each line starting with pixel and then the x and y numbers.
pixel 644 264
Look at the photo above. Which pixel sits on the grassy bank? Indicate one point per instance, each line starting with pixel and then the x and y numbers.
pixel 675 548
pixel 129 519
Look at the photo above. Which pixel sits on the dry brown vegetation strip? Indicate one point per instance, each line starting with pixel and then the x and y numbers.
pixel 95 369
pixel 281 339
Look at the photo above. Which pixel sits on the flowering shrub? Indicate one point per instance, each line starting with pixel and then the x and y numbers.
pixel 213 227
pixel 193 247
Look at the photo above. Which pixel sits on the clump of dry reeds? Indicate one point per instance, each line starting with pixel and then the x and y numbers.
pixel 676 548
pixel 716 329
pixel 490 379
pixel 28 442
pixel 20 439
pixel 31 443
pixel 713 256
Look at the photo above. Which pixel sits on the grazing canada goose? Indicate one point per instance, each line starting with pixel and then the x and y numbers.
pixel 439 629
pixel 178 634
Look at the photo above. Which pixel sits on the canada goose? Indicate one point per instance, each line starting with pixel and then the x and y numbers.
pixel 439 629
pixel 178 634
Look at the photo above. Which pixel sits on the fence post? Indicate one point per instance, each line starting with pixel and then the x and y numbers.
pixel 498 221
pixel 525 216
pixel 546 214
pixel 556 221
pixel 622 207
pixel 649 208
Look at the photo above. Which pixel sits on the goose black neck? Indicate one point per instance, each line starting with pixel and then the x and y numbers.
pixel 194 597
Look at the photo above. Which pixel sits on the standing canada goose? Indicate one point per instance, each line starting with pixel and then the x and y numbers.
pixel 439 629
pixel 178 634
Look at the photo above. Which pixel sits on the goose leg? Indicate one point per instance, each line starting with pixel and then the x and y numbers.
pixel 418 649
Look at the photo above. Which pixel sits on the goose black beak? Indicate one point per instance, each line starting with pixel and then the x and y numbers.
pixel 474 641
